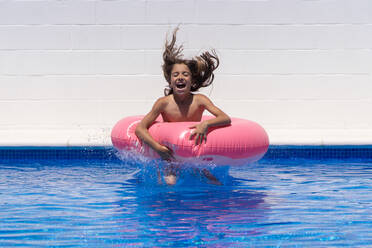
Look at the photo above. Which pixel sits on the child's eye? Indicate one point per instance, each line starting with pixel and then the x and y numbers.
pixel 175 74
pixel 185 73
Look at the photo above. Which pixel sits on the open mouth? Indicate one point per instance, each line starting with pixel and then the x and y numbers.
pixel 180 84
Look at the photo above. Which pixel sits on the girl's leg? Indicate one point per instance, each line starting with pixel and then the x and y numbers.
pixel 212 179
pixel 158 174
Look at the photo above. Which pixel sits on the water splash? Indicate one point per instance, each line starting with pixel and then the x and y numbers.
pixel 153 171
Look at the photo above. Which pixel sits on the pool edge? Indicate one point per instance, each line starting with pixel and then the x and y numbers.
pixel 109 152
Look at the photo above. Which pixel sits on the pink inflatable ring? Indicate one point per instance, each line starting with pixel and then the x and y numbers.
pixel 239 143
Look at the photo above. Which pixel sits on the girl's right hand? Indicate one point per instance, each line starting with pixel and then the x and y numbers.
pixel 165 153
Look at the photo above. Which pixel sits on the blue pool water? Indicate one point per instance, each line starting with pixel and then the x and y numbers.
pixel 277 202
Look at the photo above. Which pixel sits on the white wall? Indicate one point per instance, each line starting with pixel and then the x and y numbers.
pixel 69 69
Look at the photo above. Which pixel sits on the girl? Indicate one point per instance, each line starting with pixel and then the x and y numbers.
pixel 181 104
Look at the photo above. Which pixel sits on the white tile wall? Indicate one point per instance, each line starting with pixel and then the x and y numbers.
pixel 164 12
pixel 120 12
pixel 47 12
pixel 81 87
pixel 22 37
pixel 70 69
pixel 95 37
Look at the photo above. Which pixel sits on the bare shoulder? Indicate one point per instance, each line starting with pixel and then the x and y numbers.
pixel 202 99
pixel 213 109
pixel 161 103
pixel 156 110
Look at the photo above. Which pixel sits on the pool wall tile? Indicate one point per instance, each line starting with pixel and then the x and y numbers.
pixel 319 152
pixel 109 153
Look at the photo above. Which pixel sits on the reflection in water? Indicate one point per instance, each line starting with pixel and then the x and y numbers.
pixel 192 213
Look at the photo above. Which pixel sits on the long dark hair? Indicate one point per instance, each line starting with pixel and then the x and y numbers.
pixel 201 67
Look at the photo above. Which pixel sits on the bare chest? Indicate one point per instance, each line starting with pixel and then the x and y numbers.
pixel 176 113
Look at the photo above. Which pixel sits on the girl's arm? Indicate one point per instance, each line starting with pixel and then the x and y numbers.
pixel 142 131
pixel 201 129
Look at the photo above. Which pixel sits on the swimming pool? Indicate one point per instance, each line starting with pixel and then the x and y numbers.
pixel 86 197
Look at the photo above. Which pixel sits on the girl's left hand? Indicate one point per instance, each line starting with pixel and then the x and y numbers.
pixel 200 132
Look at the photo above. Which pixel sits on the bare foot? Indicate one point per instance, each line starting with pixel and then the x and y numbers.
pixel 170 179
pixel 171 174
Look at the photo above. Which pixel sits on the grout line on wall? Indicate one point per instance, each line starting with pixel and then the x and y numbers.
pixel 192 24
pixel 365 100
pixel 243 50
pixel 157 75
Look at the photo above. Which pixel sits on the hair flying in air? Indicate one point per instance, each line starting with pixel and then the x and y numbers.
pixel 201 66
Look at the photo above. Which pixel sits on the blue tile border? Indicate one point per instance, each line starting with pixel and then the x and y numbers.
pixel 108 153
pixel 319 152
pixel 55 153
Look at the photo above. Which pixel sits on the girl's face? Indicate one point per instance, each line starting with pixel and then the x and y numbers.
pixel 180 79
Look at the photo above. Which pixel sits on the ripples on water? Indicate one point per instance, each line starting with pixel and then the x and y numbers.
pixel 269 204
